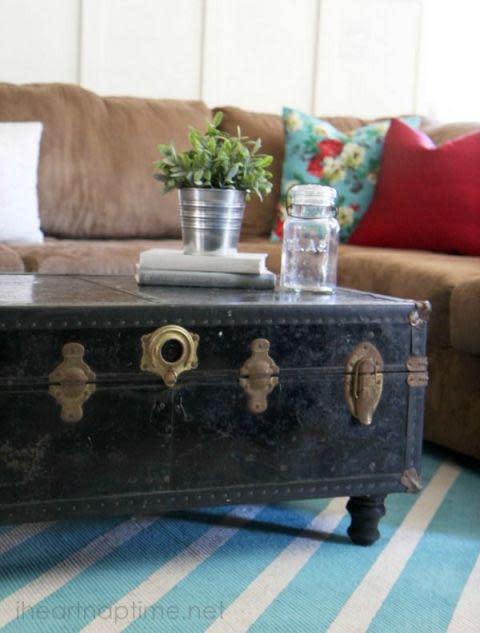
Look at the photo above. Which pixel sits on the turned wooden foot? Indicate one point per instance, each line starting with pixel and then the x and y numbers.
pixel 366 513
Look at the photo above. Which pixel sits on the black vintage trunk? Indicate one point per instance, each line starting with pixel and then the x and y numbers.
pixel 143 446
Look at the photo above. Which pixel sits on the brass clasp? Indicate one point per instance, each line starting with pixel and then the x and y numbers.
pixel 363 382
pixel 259 376
pixel 72 382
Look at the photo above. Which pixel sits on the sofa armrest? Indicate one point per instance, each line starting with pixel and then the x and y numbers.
pixel 465 316
pixel 10 261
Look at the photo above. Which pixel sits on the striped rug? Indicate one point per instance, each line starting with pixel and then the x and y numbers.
pixel 276 568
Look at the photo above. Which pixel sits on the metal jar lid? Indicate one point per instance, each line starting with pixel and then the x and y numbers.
pixel 312 195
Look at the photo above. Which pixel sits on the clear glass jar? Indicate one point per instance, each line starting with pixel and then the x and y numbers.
pixel 310 240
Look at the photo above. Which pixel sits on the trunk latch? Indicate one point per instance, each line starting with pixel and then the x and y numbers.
pixel 72 382
pixel 363 382
pixel 259 376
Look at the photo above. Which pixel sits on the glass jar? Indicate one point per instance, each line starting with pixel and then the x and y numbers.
pixel 310 240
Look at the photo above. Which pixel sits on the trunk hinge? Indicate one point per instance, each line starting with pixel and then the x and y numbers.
pixel 417 371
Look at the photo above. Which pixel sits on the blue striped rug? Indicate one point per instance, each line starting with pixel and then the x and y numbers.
pixel 276 568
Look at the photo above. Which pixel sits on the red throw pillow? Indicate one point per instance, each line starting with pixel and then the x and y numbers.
pixel 427 197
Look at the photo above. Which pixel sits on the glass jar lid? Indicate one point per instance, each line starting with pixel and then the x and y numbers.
pixel 312 195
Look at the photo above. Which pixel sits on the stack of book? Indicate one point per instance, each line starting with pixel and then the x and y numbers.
pixel 162 267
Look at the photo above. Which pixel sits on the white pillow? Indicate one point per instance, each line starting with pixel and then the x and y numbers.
pixel 19 152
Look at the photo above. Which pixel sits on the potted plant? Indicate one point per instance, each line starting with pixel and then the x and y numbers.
pixel 214 179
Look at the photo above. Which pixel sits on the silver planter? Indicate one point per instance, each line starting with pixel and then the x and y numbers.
pixel 211 220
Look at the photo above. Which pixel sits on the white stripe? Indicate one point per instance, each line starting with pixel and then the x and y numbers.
pixel 170 574
pixel 466 618
pixel 256 598
pixel 362 606
pixel 53 579
pixel 20 534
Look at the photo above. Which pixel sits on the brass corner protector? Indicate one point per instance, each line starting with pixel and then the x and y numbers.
pixel 411 480
pixel 72 383
pixel 421 314
pixel 259 376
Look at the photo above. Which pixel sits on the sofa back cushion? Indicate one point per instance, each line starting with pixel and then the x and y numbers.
pixel 95 173
pixel 447 132
pixel 260 216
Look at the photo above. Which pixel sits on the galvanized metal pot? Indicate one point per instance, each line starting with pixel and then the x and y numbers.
pixel 211 220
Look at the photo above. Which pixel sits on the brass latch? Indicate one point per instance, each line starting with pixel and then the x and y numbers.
pixel 259 376
pixel 168 352
pixel 71 383
pixel 363 382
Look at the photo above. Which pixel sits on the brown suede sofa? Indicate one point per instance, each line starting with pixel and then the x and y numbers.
pixel 100 207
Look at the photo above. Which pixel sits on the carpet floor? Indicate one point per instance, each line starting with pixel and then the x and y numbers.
pixel 277 568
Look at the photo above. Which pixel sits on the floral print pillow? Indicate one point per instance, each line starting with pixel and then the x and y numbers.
pixel 317 153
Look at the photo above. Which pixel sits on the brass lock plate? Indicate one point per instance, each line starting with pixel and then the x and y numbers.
pixel 168 352
pixel 72 383
pixel 259 376
pixel 363 382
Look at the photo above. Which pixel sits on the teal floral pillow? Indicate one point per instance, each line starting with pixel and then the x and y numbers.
pixel 318 153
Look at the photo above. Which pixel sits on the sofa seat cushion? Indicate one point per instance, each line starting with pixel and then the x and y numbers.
pixel 109 257
pixel 10 261
pixel 92 257
pixel 450 282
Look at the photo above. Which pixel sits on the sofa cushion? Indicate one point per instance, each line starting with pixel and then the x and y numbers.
pixel 10 261
pixel 427 197
pixel 443 133
pixel 109 257
pixel 95 175
pixel 442 279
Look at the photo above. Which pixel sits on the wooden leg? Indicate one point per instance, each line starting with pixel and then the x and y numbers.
pixel 366 513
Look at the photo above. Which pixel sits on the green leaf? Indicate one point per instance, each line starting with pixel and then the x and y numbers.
pixel 217 119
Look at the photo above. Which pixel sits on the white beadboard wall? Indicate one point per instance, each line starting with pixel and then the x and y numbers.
pixel 358 57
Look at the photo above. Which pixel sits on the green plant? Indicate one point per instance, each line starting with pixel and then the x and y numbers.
pixel 216 160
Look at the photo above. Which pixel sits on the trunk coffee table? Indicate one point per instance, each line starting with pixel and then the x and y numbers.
pixel 119 400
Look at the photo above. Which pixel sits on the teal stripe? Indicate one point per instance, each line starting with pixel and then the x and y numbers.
pixel 435 575
pixel 21 565
pixel 106 581
pixel 323 586
pixel 201 597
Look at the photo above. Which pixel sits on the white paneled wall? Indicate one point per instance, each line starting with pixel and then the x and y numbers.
pixel 260 54
pixel 367 56
pixel 39 40
pixel 358 57
pixel 142 47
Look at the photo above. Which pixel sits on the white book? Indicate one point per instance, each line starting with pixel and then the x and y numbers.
pixel 165 259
